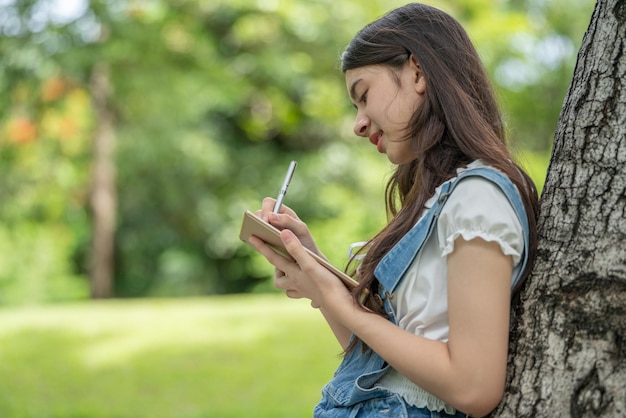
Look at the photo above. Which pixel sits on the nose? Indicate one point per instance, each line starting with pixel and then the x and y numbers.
pixel 361 125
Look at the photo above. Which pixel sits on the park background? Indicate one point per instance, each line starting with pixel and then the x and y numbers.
pixel 205 103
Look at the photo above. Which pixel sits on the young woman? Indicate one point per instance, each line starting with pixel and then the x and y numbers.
pixel 430 336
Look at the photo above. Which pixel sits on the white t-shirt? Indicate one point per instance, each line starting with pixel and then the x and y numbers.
pixel 477 208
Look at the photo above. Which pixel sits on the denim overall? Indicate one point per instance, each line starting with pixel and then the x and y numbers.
pixel 353 391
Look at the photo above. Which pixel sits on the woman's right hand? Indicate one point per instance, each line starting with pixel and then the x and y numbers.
pixel 287 219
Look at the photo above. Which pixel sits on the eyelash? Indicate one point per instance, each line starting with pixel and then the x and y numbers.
pixel 362 99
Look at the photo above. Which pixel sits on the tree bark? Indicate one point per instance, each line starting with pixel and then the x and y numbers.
pixel 103 194
pixel 568 331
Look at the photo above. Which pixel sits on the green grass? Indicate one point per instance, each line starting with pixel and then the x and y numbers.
pixel 244 356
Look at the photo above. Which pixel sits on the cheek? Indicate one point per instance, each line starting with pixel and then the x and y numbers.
pixel 400 111
pixel 400 114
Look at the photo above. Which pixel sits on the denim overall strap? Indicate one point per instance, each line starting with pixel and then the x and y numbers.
pixel 355 381
pixel 397 261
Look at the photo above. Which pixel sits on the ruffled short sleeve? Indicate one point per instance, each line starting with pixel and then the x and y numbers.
pixel 477 208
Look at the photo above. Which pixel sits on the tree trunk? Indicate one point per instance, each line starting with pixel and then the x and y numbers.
pixel 568 333
pixel 103 194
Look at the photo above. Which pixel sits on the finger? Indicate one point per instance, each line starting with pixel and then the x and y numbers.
pixel 295 249
pixel 304 262
pixel 280 262
pixel 267 206
pixel 286 210
pixel 286 221
pixel 293 294
pixel 281 282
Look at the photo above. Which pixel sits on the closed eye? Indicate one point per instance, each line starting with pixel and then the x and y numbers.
pixel 362 99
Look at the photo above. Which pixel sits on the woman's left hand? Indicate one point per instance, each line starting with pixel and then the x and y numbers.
pixel 302 278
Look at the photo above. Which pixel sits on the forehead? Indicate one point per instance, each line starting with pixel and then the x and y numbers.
pixel 356 76
pixel 363 72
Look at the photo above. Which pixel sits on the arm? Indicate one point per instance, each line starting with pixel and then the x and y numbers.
pixel 305 278
pixel 469 371
pixel 289 220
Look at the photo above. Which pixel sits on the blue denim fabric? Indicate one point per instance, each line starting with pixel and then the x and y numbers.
pixel 353 392
pixel 388 406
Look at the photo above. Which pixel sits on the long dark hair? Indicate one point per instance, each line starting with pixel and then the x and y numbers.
pixel 459 122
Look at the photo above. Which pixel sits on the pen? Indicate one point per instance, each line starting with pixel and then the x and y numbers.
pixel 283 189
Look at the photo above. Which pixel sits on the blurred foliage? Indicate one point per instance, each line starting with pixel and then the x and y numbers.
pixel 211 100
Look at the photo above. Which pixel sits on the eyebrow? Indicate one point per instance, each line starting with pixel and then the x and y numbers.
pixel 353 89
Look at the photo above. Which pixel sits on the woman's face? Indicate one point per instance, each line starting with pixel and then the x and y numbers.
pixel 384 107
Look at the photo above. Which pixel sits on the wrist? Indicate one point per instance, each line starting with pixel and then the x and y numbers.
pixel 337 301
pixel 328 294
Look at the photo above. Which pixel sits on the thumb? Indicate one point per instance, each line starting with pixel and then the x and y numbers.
pixel 293 246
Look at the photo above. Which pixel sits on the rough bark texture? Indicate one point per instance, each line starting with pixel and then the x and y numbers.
pixel 568 340
pixel 103 194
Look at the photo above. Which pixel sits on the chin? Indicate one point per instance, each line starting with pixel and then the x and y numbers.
pixel 401 161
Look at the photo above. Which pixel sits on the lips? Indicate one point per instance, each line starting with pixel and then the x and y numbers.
pixel 375 139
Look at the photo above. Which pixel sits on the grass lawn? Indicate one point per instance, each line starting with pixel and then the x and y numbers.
pixel 243 356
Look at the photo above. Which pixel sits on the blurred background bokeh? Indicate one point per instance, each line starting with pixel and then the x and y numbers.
pixel 135 133
pixel 206 103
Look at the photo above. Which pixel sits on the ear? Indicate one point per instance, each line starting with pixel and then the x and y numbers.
pixel 420 81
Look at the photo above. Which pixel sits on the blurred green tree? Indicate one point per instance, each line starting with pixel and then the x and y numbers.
pixel 209 101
